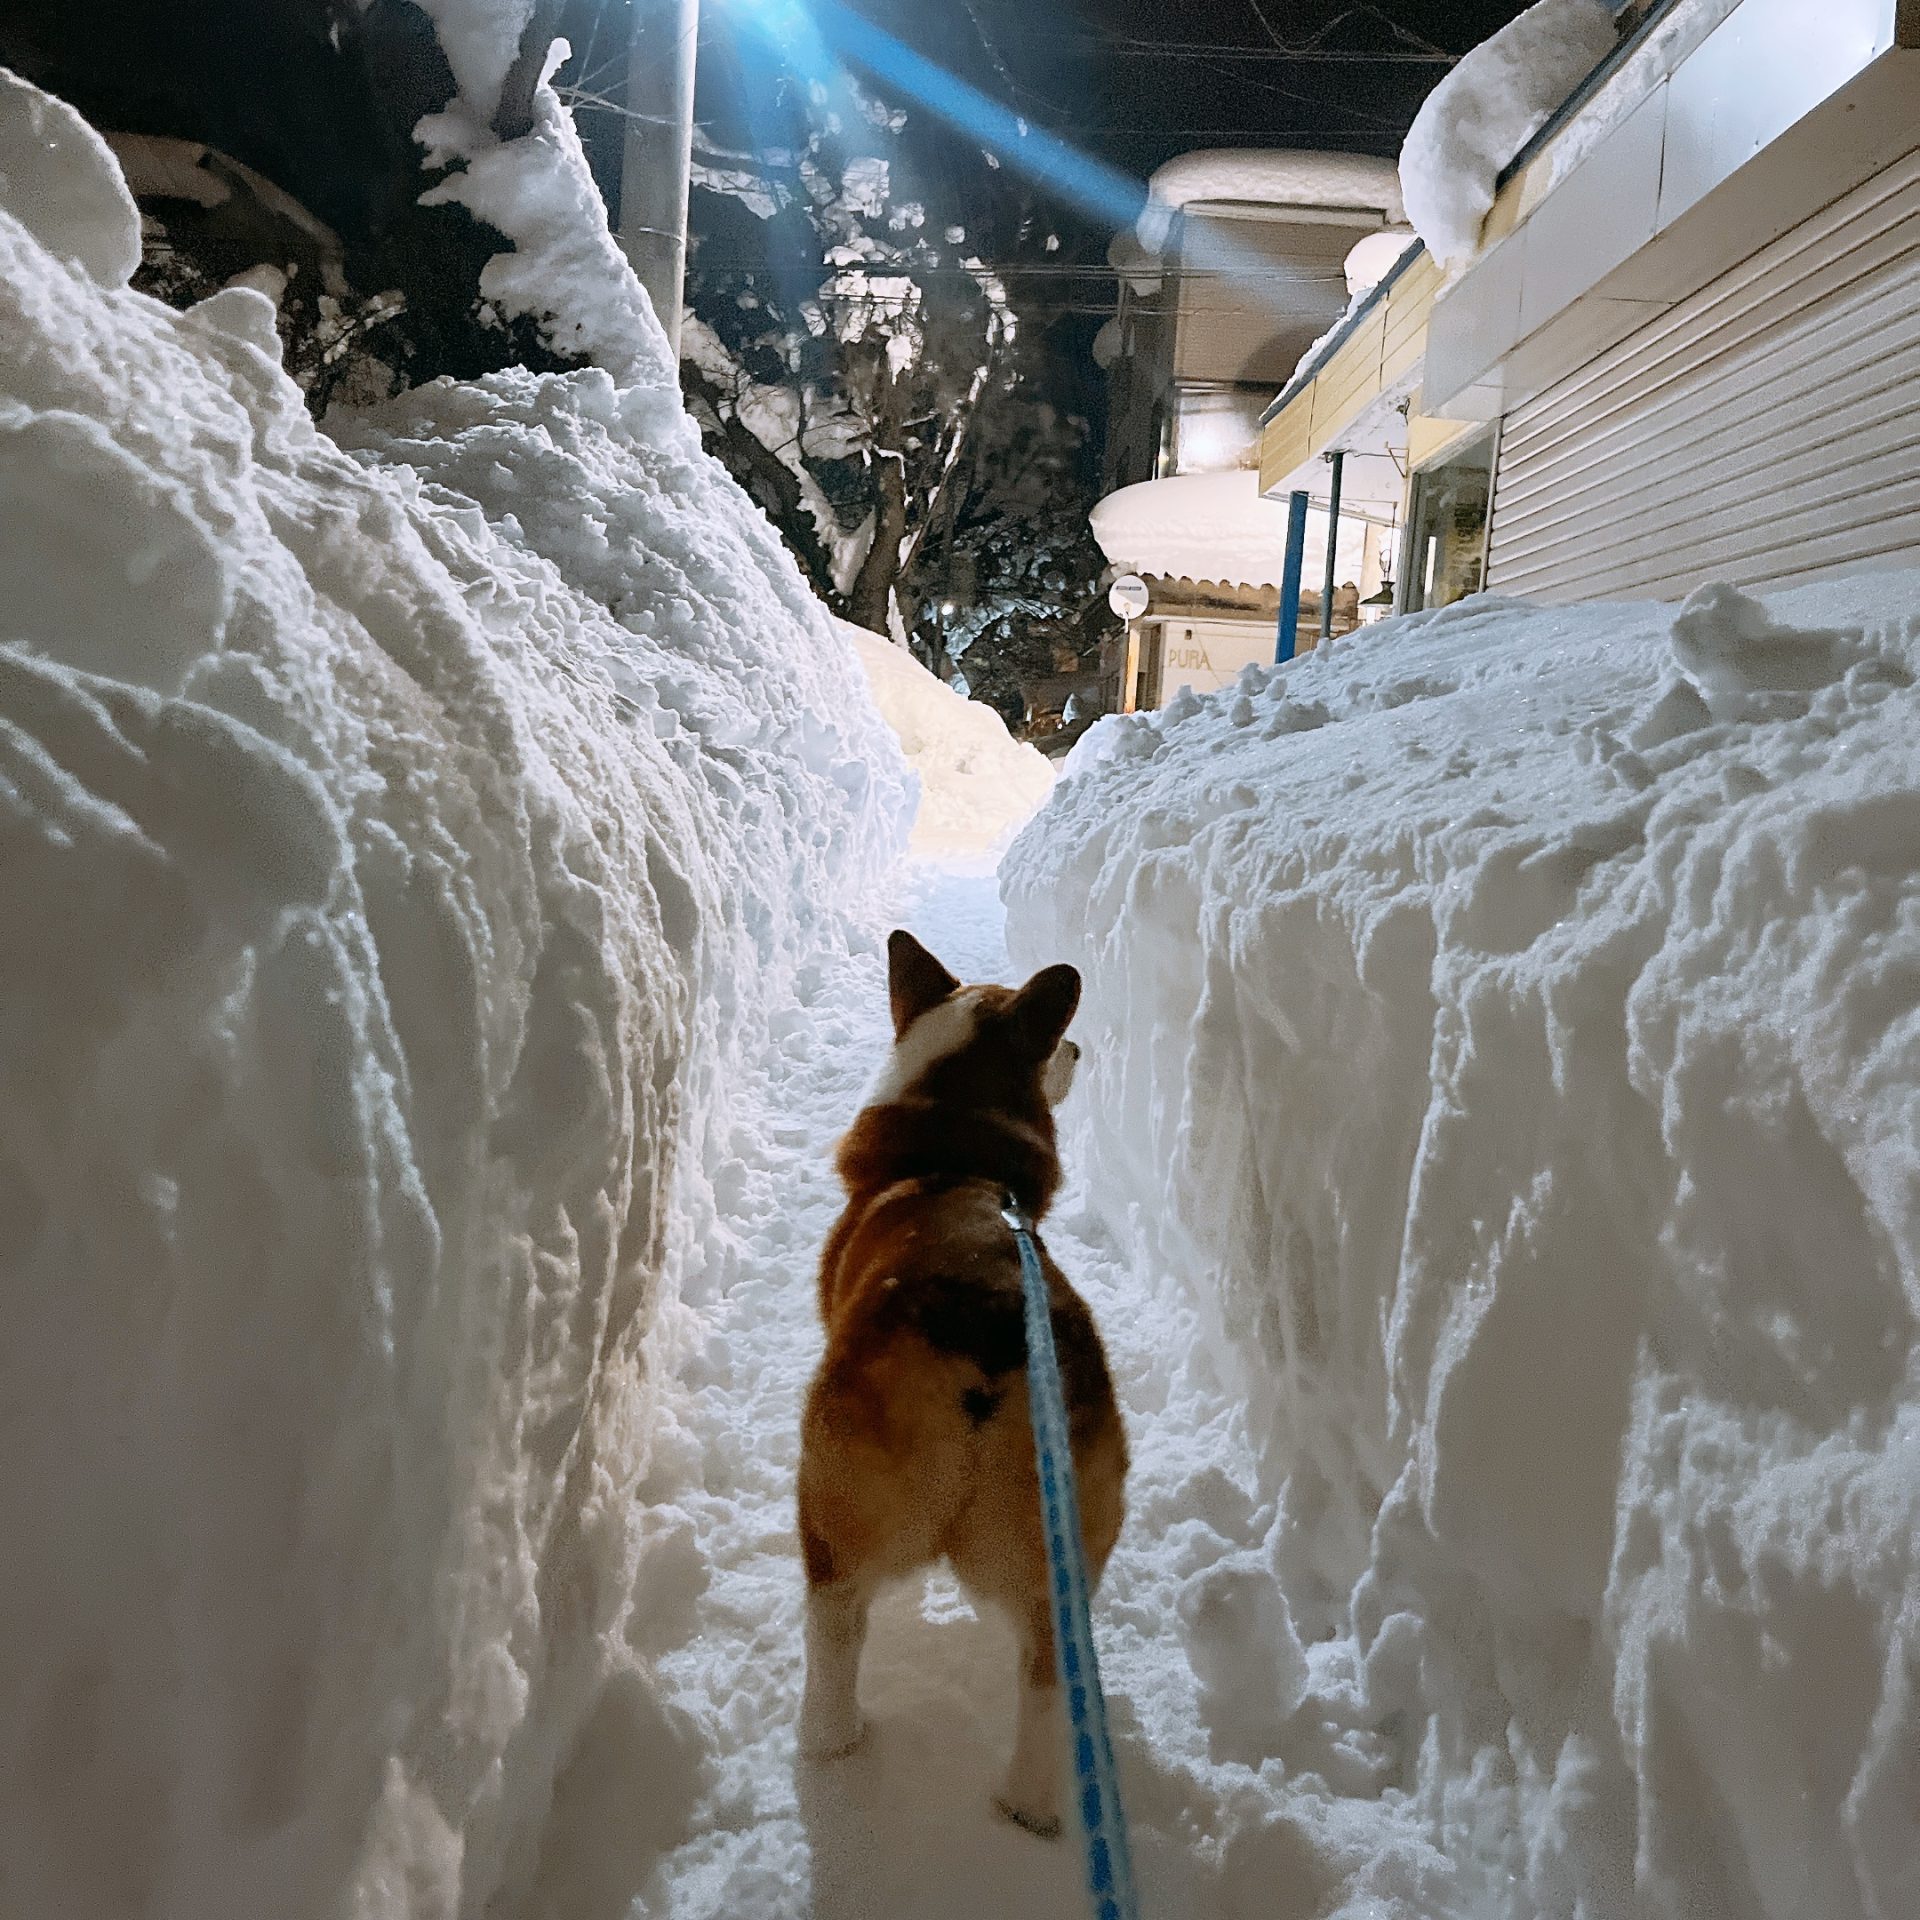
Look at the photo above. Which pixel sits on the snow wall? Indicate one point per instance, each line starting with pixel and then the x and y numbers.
pixel 398 847
pixel 977 783
pixel 1509 1021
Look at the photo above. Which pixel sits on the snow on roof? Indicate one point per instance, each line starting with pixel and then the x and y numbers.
pixel 1371 259
pixel 1198 526
pixel 1486 109
pixel 1266 177
pixel 1133 263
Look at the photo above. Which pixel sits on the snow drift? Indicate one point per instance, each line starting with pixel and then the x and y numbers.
pixel 1511 1023
pixel 398 847
pixel 977 783
pixel 1486 110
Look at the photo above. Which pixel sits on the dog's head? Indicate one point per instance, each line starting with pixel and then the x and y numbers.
pixel 1000 1047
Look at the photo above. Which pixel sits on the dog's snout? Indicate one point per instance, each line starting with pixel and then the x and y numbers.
pixel 1072 1049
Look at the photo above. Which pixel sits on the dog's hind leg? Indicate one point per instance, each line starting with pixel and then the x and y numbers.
pixel 842 1577
pixel 1030 1796
pixel 830 1719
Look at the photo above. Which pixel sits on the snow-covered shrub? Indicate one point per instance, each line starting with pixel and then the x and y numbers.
pixel 396 850
pixel 1510 1022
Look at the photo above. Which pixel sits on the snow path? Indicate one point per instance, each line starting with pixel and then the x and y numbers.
pixel 902 1829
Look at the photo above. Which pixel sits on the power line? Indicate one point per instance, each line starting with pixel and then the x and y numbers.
pixel 1035 270
pixel 1126 48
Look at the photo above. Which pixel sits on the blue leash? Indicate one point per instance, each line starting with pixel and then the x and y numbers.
pixel 1103 1820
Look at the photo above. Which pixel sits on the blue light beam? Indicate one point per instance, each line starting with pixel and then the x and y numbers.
pixel 815 39
pixel 810 37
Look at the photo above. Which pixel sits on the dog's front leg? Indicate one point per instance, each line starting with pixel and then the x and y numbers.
pixel 830 1718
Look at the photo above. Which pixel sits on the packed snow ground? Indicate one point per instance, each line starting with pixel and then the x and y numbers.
pixel 1202 1670
pixel 1509 1022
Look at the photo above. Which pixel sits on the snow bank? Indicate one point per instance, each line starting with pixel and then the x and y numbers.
pixel 977 783
pixel 1486 110
pixel 399 849
pixel 1511 1021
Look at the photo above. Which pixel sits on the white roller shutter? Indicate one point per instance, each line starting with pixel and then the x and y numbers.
pixel 1765 430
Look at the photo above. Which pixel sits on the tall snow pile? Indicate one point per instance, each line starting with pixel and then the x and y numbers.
pixel 1511 1022
pixel 398 848
pixel 1486 110
pixel 977 783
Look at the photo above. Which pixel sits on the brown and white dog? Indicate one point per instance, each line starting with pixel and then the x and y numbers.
pixel 915 1443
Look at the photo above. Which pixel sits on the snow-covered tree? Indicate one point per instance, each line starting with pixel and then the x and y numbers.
pixel 856 358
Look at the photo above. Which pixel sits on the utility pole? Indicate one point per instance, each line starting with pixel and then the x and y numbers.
pixel 658 155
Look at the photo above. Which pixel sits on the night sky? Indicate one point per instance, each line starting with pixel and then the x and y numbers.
pixel 1129 82
pixel 1137 81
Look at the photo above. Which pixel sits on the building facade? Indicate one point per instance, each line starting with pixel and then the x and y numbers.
pixel 1234 271
pixel 1688 345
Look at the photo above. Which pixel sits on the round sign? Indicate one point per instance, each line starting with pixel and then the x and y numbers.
pixel 1128 596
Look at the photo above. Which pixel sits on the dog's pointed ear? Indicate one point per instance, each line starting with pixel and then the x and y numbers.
pixel 1044 1008
pixel 915 980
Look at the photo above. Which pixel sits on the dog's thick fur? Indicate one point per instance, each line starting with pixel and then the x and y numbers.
pixel 916 1443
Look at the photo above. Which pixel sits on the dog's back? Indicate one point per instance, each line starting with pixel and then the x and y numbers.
pixel 916 1442
pixel 924 1391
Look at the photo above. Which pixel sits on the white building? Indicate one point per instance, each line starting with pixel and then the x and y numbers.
pixel 1687 344
pixel 1237 266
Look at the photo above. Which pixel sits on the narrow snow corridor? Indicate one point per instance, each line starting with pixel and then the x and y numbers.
pixel 903 1829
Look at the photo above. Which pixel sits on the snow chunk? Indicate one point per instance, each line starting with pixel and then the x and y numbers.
pixel 1522 1055
pixel 978 785
pixel 481 39
pixel 1728 644
pixel 1245 1655
pixel 59 179
pixel 1486 110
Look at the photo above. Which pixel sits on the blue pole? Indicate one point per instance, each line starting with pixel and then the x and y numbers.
pixel 1290 578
